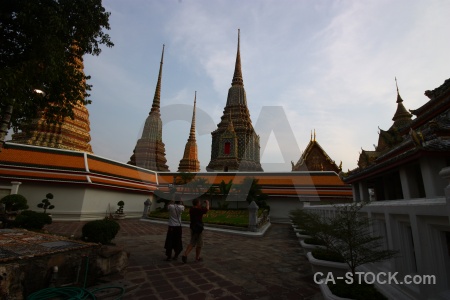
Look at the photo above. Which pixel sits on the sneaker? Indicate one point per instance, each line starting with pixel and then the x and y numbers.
pixel 184 259
pixel 199 259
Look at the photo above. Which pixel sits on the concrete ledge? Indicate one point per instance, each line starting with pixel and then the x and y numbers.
pixel 220 228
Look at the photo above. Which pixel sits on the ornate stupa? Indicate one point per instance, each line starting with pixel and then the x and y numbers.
pixel 70 134
pixel 150 152
pixel 235 144
pixel 189 162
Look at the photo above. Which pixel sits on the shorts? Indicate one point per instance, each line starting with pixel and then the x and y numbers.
pixel 196 239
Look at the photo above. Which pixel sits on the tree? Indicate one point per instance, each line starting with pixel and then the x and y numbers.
pixel 354 240
pixel 224 189
pixel 198 186
pixel 41 45
pixel 14 202
pixel 253 191
pixel 184 179
pixel 346 233
pixel 45 204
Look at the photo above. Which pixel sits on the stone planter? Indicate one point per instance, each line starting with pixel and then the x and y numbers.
pixel 325 266
pixel 302 236
pixel 310 246
pixel 119 216
pixel 328 295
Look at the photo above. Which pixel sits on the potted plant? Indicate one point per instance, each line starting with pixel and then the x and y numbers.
pixel 119 214
pixel 348 234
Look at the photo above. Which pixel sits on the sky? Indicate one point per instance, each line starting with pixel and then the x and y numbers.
pixel 324 66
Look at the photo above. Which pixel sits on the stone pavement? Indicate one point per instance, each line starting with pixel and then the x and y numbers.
pixel 233 266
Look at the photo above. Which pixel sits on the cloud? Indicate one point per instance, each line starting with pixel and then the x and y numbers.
pixel 329 64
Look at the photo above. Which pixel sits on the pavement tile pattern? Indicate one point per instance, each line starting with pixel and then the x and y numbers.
pixel 233 266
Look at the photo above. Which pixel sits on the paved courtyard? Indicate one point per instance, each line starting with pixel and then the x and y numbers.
pixel 234 266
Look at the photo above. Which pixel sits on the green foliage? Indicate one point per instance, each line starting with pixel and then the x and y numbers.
pixel 14 202
pixel 347 233
pixel 100 231
pixel 253 192
pixel 120 209
pixel 32 220
pixel 356 291
pixel 38 51
pixel 224 190
pixel 45 203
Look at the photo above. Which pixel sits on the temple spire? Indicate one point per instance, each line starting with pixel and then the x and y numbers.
pixel 399 99
pixel 401 117
pixel 192 132
pixel 237 77
pixel 157 97
pixel 189 162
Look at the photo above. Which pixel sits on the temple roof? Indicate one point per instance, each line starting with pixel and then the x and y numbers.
pixel 318 185
pixel 314 158
pixel 427 135
pixel 41 164
pixel 402 117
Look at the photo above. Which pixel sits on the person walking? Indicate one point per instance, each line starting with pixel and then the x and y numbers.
pixel 196 213
pixel 174 232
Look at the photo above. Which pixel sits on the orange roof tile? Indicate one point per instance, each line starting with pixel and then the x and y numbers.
pixel 41 157
pixel 102 166
pixel 39 175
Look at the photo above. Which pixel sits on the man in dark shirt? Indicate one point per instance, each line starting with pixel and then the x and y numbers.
pixel 196 214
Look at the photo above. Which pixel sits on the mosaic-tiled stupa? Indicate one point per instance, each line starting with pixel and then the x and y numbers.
pixel 150 152
pixel 189 162
pixel 70 134
pixel 235 144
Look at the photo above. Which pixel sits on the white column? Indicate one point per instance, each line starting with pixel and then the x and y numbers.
pixel 15 187
pixel 434 184
pixel 355 190
pixel 407 182
pixel 364 191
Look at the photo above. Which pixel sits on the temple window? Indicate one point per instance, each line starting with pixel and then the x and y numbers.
pixel 227 148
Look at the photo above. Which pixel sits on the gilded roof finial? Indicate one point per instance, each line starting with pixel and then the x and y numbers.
pixel 157 97
pixel 237 78
pixel 311 136
pixel 399 99
pixel 314 135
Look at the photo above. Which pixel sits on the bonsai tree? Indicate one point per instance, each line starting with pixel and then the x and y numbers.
pixel 120 209
pixel 14 202
pixel 45 203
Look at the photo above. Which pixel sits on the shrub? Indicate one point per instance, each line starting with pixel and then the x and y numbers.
pixel 29 219
pixel 45 204
pixel 14 202
pixel 100 231
pixel 120 209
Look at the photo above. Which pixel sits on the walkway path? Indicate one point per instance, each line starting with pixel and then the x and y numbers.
pixel 234 267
